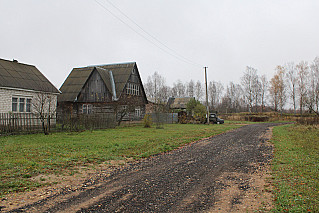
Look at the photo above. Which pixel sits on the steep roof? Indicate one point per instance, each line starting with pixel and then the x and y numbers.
pixel 77 78
pixel 23 76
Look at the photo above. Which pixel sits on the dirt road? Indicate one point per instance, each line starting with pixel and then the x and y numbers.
pixel 225 173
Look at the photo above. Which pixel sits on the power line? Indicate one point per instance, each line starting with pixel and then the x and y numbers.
pixel 176 55
pixel 118 9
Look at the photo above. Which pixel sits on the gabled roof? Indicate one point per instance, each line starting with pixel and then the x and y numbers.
pixel 23 76
pixel 179 102
pixel 78 77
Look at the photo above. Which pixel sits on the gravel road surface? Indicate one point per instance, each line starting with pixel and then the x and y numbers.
pixel 191 179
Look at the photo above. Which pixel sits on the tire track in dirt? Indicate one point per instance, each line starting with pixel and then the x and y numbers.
pixel 217 174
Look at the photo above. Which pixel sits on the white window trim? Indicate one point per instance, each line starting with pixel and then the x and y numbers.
pixel 25 103
pixel 87 109
pixel 138 111
pixel 132 89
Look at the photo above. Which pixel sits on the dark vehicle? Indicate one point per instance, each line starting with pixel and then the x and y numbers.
pixel 214 119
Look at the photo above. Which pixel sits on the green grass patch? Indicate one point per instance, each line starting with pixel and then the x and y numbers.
pixel 296 168
pixel 26 156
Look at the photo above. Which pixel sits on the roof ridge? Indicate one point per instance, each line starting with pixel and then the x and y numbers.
pixel 16 61
pixel 101 65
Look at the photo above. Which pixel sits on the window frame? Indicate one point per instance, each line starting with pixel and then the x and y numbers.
pixel 137 111
pixel 22 104
pixel 28 105
pixel 87 109
pixel 14 105
pixel 132 89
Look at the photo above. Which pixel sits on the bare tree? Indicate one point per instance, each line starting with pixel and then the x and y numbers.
pixel 199 90
pixel 291 76
pixel 303 72
pixel 277 89
pixel 156 83
pixel 233 99
pixel 174 92
pixel 179 88
pixel 149 88
pixel 122 111
pixel 190 88
pixel 247 82
pixel 263 90
pixel 44 107
pixel 165 93
pixel 233 92
pixel 215 90
pixel 256 91
pixel 313 99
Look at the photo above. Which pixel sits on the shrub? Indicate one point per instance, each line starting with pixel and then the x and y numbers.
pixel 200 112
pixel 147 121
pixel 257 118
pixel 308 120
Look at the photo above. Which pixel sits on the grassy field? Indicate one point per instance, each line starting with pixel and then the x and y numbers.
pixel 296 168
pixel 26 156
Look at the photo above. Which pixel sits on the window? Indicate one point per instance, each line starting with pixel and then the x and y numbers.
pixel 14 104
pixel 138 112
pixel 28 106
pixel 21 104
pixel 90 108
pixel 132 89
pixel 87 108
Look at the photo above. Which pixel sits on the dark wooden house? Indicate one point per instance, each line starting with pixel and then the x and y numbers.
pixel 111 88
pixel 178 103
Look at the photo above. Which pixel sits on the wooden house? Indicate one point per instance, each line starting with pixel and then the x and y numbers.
pixel 178 103
pixel 111 88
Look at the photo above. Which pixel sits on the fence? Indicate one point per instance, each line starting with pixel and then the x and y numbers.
pixel 12 123
pixel 76 122
pixel 168 118
pixel 21 123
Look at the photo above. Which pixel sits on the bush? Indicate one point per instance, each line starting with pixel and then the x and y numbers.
pixel 147 121
pixel 196 110
pixel 308 121
pixel 256 118
pixel 199 113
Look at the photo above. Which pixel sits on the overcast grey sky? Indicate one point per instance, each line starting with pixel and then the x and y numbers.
pixel 225 35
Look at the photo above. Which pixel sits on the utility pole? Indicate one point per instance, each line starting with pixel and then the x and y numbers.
pixel 207 108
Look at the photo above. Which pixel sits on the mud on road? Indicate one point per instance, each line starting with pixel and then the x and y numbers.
pixel 225 173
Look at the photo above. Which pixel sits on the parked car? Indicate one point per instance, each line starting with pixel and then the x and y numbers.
pixel 213 118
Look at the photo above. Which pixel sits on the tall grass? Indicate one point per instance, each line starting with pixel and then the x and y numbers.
pixel 25 156
pixel 296 168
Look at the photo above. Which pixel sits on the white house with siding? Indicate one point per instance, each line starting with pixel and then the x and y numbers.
pixel 23 88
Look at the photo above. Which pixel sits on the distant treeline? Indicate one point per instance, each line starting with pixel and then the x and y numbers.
pixel 293 88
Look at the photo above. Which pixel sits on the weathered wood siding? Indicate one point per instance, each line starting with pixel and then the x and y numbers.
pixel 95 93
pixel 94 90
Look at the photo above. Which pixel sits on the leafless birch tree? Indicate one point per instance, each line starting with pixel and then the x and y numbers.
pixel 190 88
pixel 199 91
pixel 263 90
pixel 291 76
pixel 247 82
pixel 313 101
pixel 303 72
pixel 156 83
pixel 179 88
pixel 215 91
